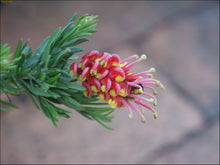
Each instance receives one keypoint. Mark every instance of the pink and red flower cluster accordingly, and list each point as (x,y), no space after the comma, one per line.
(107,76)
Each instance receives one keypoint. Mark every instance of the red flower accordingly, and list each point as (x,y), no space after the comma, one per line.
(107,76)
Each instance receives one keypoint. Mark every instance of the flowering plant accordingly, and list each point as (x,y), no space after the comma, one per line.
(50,80)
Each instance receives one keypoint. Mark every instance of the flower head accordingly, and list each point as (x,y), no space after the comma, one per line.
(107,76)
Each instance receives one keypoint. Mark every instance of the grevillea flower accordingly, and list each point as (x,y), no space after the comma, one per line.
(107,76)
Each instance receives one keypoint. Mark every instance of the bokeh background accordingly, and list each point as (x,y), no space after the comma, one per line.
(181,40)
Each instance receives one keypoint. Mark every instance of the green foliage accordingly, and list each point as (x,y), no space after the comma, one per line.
(44,75)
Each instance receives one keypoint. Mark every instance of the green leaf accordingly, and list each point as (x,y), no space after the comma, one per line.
(70,102)
(55,78)
(58,58)
(73,57)
(4,109)
(4,50)
(74,42)
(104,125)
(18,49)
(75,86)
(48,47)
(39,92)
(53,94)
(24,48)
(42,47)
(98,109)
(20,63)
(31,61)
(9,104)
(32,99)
(73,18)
(59,91)
(43,108)
(95,103)
(79,21)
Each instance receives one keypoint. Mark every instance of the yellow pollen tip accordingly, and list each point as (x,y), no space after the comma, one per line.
(122,93)
(121,65)
(136,57)
(101,63)
(78,77)
(71,73)
(143,57)
(94,89)
(151,100)
(155,92)
(115,64)
(162,87)
(130,116)
(101,96)
(80,65)
(112,93)
(113,106)
(157,83)
(98,75)
(152,70)
(119,79)
(98,59)
(142,111)
(103,88)
(143,120)
(113,102)
(155,116)
(92,59)
(85,93)
(110,101)
(105,65)
(140,90)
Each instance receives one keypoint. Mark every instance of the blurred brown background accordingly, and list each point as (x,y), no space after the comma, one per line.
(181,39)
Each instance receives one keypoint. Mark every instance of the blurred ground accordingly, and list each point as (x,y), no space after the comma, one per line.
(181,40)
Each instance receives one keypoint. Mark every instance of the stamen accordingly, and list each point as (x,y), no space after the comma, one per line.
(116,73)
(103,73)
(73,69)
(151,100)
(149,87)
(129,66)
(133,107)
(94,69)
(115,89)
(154,98)
(134,84)
(84,74)
(83,63)
(115,60)
(88,92)
(102,97)
(129,58)
(155,115)
(91,53)
(106,84)
(144,105)
(158,84)
(94,89)
(95,84)
(71,73)
(130,116)
(152,70)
